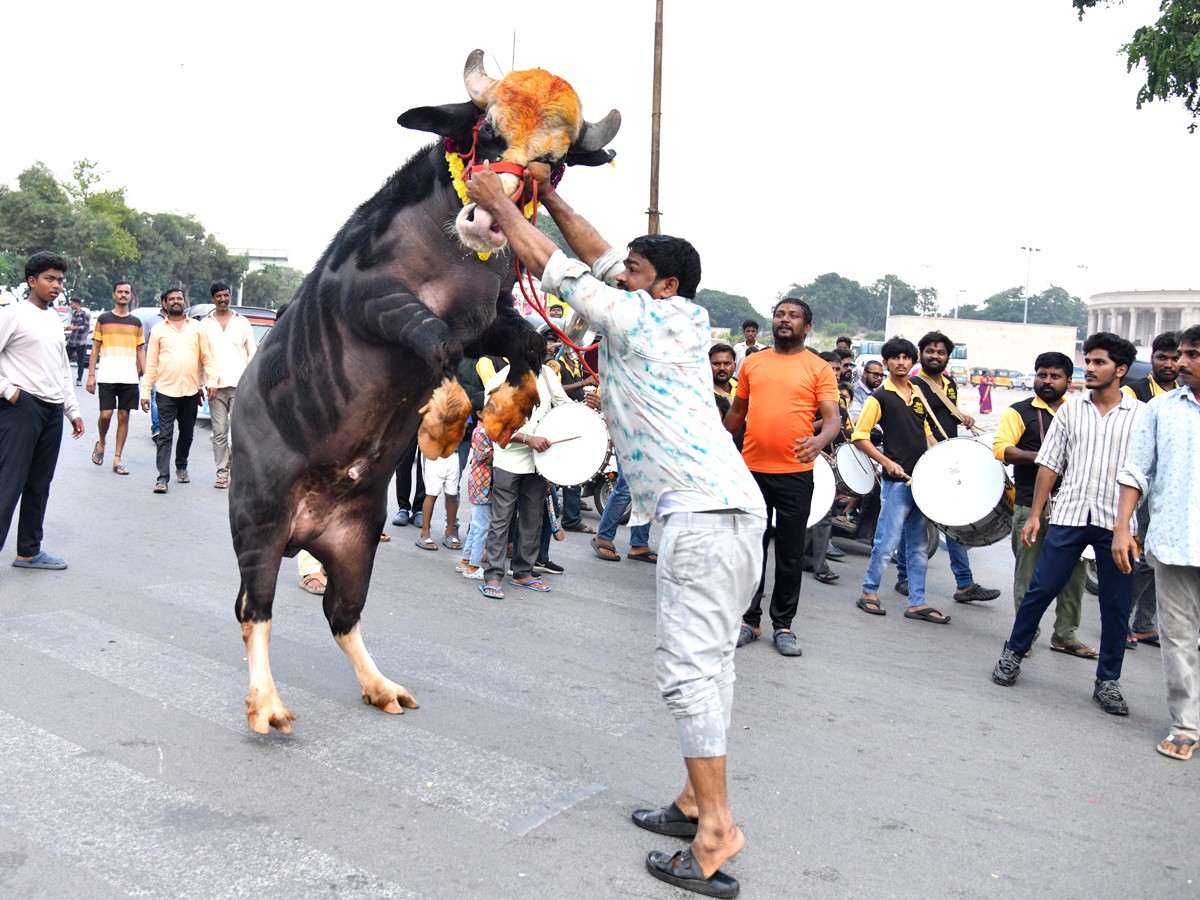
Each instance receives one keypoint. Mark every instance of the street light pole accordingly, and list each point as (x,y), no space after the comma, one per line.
(957,298)
(1028,270)
(654,212)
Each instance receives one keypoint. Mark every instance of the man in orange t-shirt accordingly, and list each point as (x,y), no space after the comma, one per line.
(780,392)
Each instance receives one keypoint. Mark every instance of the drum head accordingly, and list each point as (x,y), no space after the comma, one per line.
(579,445)
(987,438)
(856,469)
(958,482)
(824,490)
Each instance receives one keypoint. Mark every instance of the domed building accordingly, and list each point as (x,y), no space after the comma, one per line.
(1140,315)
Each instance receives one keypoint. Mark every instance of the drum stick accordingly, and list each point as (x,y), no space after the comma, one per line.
(555,529)
(573,437)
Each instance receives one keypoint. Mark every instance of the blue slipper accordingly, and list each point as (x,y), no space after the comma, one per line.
(536,585)
(491,592)
(42,561)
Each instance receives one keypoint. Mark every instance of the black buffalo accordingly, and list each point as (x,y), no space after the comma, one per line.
(367,355)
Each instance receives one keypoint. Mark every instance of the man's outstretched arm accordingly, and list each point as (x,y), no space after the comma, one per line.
(585,241)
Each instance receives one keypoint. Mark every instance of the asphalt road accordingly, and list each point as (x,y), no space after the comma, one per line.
(883,763)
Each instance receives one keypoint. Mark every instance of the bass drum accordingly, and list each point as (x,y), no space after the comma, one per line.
(855,472)
(824,490)
(579,445)
(965,492)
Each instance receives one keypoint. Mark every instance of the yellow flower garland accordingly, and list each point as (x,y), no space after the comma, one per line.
(454,161)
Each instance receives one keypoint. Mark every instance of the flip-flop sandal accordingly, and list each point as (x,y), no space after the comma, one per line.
(451,542)
(1076,648)
(535,585)
(313,584)
(491,592)
(929,614)
(1176,746)
(97,454)
(119,469)
(669,820)
(426,543)
(827,577)
(870,607)
(688,875)
(643,557)
(606,551)
(581,528)
(384,538)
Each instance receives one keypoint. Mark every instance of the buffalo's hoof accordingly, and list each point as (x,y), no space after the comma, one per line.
(508,408)
(264,711)
(444,420)
(388,696)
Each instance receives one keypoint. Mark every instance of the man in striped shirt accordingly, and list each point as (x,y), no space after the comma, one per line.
(118,361)
(1085,445)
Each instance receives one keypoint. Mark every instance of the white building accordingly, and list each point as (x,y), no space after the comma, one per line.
(1140,315)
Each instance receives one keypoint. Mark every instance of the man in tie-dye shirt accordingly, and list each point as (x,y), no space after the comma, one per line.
(682,469)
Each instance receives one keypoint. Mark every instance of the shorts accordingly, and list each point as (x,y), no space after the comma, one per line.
(441,475)
(118,396)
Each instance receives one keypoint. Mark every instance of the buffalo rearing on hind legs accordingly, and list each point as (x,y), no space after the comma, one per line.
(369,351)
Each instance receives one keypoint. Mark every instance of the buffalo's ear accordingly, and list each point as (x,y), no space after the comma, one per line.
(589,157)
(449,120)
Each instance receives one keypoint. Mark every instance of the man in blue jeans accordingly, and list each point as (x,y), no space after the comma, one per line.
(935,349)
(899,409)
(614,511)
(1085,445)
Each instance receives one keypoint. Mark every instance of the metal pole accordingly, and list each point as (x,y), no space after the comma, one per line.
(656,120)
(1028,270)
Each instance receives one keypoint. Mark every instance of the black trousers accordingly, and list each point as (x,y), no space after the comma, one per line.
(789,498)
(171,410)
(404,480)
(30,434)
(79,353)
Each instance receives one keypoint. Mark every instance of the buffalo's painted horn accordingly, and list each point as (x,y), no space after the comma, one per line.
(596,135)
(479,83)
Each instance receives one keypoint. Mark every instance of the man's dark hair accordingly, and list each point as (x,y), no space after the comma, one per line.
(1119,350)
(935,337)
(843,353)
(1052,359)
(1190,336)
(830,356)
(845,339)
(898,346)
(750,323)
(219,286)
(871,362)
(76,300)
(168,292)
(672,257)
(117,284)
(720,347)
(793,301)
(1167,342)
(44,261)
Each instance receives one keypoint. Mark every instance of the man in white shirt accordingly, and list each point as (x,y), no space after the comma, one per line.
(35,393)
(231,340)
(681,468)
(516,482)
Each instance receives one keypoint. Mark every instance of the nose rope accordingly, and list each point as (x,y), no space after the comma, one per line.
(524,276)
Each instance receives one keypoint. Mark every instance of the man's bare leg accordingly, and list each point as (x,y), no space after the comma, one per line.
(102,427)
(717,839)
(122,431)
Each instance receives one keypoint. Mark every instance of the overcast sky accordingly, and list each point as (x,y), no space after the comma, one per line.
(930,138)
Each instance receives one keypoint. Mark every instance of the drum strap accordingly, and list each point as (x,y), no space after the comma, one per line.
(929,412)
(950,404)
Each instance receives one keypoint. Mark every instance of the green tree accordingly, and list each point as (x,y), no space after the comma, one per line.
(1169,50)
(727,310)
(270,286)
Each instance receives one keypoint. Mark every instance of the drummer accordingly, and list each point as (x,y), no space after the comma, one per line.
(816,540)
(898,409)
(941,393)
(1022,429)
